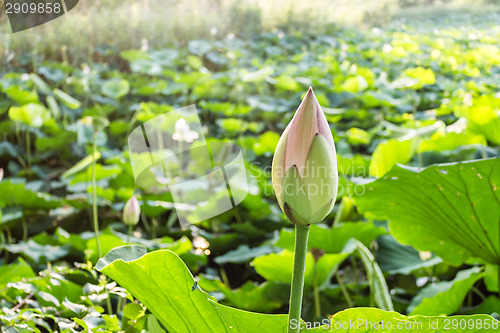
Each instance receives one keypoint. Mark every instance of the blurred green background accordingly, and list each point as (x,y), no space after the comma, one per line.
(413,83)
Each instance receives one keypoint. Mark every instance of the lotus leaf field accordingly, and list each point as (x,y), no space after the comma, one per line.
(413,239)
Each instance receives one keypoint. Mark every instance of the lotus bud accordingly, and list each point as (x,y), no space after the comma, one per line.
(304,170)
(1,174)
(131,211)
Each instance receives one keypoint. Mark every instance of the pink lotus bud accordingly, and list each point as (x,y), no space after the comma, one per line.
(131,211)
(305,177)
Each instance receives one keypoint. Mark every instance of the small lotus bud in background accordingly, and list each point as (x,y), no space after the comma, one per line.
(304,172)
(1,174)
(131,211)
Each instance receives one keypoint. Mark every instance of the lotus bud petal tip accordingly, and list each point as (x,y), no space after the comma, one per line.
(131,211)
(304,172)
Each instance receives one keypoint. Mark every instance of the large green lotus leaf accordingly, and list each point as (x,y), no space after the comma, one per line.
(20,96)
(162,282)
(390,152)
(445,297)
(355,84)
(491,130)
(244,253)
(483,116)
(364,320)
(333,240)
(56,145)
(14,193)
(423,76)
(232,125)
(15,272)
(279,267)
(248,322)
(286,82)
(30,114)
(394,257)
(448,141)
(450,209)
(490,305)
(107,243)
(491,278)
(115,88)
(353,165)
(9,216)
(124,253)
(266,143)
(37,252)
(101,172)
(251,296)
(55,289)
(257,76)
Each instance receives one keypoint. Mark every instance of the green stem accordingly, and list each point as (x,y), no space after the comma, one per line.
(478,293)
(154,227)
(146,223)
(25,228)
(119,305)
(355,271)
(108,305)
(9,241)
(130,228)
(4,242)
(28,146)
(94,197)
(339,214)
(224,277)
(344,290)
(299,267)
(94,211)
(317,305)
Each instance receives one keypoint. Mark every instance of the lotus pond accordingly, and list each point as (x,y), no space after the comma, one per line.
(413,239)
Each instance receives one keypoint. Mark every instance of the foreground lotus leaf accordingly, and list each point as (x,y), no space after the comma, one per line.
(162,282)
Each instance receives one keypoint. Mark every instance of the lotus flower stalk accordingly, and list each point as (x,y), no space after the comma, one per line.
(305,180)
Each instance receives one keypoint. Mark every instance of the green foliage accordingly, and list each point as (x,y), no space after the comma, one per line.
(378,286)
(394,257)
(390,153)
(449,209)
(163,283)
(417,94)
(115,88)
(413,324)
(31,114)
(333,240)
(279,267)
(444,297)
